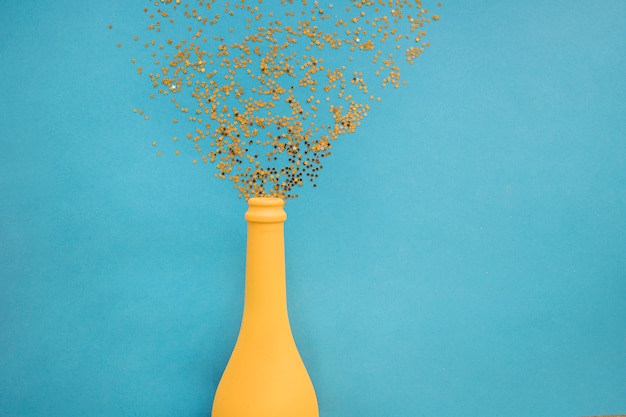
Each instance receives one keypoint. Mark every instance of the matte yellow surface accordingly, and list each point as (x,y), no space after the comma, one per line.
(265,376)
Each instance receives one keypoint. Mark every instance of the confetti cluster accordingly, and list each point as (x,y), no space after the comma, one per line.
(264,90)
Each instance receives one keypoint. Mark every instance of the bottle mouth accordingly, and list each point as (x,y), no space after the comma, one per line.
(266,210)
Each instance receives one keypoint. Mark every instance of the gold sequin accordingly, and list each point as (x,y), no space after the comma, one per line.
(271,136)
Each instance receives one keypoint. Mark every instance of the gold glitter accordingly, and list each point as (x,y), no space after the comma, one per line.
(261,85)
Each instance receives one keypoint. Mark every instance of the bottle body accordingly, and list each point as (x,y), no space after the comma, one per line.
(265,376)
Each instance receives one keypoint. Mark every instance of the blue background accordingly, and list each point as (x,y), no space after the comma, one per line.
(463,254)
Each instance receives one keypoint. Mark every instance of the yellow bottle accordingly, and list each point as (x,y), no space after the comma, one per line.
(265,376)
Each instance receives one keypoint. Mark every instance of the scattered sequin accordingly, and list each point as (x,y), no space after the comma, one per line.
(250,85)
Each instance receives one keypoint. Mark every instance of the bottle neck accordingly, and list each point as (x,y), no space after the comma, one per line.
(266,292)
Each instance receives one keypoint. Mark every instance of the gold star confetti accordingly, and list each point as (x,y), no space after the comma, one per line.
(267,92)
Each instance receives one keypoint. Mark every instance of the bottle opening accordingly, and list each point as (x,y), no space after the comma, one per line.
(266,210)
